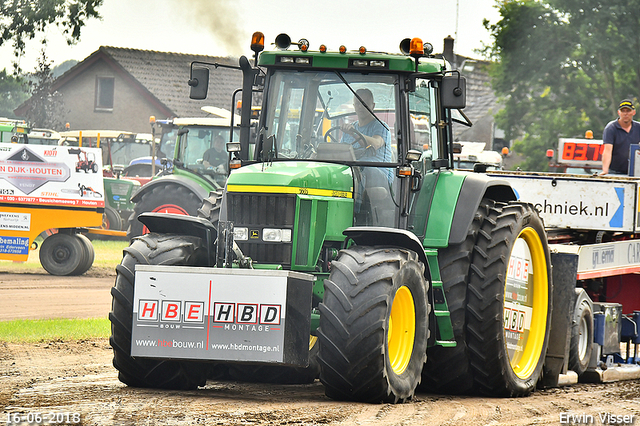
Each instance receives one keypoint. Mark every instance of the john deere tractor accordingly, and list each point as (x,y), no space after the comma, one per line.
(343,246)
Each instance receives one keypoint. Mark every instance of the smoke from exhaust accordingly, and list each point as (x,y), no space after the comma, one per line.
(219,18)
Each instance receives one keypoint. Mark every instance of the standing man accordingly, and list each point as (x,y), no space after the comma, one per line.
(618,135)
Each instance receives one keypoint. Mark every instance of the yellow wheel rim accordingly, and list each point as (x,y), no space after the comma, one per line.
(402,329)
(312,341)
(526,303)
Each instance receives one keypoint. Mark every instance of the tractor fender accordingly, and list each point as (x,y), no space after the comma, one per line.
(176,180)
(393,237)
(378,235)
(475,187)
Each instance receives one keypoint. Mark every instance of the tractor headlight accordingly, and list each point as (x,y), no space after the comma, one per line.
(241,234)
(276,235)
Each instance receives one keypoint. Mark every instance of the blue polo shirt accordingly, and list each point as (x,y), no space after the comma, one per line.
(382,154)
(621,140)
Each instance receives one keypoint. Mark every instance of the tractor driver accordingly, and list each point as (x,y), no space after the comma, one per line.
(216,157)
(375,135)
(377,139)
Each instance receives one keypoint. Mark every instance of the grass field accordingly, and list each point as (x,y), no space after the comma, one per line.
(34,331)
(108,255)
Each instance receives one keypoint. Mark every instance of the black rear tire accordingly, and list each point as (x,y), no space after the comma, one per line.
(447,369)
(373,325)
(164,198)
(509,301)
(150,249)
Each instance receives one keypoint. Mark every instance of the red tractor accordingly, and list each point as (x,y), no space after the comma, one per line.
(86,161)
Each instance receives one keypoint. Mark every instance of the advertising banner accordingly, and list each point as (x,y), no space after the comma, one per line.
(219,313)
(579,203)
(49,175)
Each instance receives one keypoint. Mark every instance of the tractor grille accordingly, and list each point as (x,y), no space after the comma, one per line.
(259,211)
(121,189)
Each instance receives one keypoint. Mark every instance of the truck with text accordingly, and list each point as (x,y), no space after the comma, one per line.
(378,271)
(42,189)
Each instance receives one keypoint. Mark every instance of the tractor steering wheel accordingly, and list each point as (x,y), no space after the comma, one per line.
(359,144)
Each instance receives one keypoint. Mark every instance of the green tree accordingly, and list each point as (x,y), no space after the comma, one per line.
(13,91)
(45,108)
(22,20)
(560,67)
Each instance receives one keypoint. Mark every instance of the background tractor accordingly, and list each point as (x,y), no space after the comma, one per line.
(185,181)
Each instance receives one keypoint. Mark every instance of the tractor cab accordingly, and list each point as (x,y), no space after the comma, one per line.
(201,147)
(383,116)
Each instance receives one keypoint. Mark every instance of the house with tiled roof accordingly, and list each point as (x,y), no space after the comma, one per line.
(119,89)
(482,103)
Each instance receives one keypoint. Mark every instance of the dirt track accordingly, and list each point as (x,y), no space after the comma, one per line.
(77,377)
(40,296)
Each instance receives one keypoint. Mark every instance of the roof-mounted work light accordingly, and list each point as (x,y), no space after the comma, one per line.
(405,45)
(283,41)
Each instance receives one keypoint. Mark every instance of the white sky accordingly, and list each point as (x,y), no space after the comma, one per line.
(224,27)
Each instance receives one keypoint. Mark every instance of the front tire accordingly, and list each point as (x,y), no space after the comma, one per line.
(509,301)
(150,249)
(373,325)
(210,208)
(111,219)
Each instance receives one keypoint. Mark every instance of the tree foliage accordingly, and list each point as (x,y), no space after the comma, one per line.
(13,91)
(22,20)
(561,67)
(45,108)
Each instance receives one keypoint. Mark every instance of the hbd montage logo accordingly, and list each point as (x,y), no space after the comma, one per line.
(225,315)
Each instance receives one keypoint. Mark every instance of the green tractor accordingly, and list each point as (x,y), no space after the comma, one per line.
(187,178)
(344,246)
(13,130)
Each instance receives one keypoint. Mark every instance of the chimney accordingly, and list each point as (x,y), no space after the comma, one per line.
(447,52)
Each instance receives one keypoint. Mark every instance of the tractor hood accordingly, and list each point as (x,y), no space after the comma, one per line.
(293,177)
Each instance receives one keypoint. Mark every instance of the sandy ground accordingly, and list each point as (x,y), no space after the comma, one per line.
(75,383)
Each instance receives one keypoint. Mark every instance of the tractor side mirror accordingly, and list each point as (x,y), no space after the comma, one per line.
(453,92)
(199,83)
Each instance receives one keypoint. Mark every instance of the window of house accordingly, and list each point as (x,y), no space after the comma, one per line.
(104,93)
